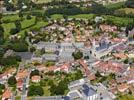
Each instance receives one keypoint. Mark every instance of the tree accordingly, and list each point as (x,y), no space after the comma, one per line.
(77,55)
(12,81)
(126,61)
(78,75)
(29,17)
(20,14)
(14,31)
(21,46)
(35,91)
(1,34)
(35,72)
(32,49)
(1,16)
(9,61)
(130,3)
(18,24)
(65,17)
(2,87)
(60,89)
(112,75)
(98,74)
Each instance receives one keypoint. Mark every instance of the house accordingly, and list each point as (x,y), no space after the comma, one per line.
(131,88)
(123,87)
(86,70)
(131,33)
(118,40)
(54,68)
(8,73)
(20,84)
(82,91)
(120,55)
(50,57)
(107,67)
(7,95)
(48,46)
(23,73)
(65,68)
(108,28)
(36,59)
(36,78)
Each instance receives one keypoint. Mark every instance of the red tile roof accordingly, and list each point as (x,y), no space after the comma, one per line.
(7,94)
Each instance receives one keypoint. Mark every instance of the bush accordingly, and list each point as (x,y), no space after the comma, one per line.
(12,81)
(35,72)
(20,47)
(77,55)
(2,87)
(14,31)
(8,61)
(35,91)
(29,17)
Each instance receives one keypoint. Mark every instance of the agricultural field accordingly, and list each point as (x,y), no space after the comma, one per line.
(127,10)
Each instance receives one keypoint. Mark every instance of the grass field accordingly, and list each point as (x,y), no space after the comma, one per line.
(127,10)
(126,97)
(116,5)
(116,20)
(10,18)
(29,24)
(26,25)
(81,16)
(42,1)
(119,20)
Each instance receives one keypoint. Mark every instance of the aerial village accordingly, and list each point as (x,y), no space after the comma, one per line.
(70,59)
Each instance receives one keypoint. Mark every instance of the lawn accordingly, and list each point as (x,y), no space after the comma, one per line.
(127,10)
(126,97)
(26,24)
(34,27)
(10,18)
(46,91)
(116,5)
(119,20)
(29,24)
(42,1)
(49,63)
(81,16)
(57,16)
(17,98)
(116,20)
(7,28)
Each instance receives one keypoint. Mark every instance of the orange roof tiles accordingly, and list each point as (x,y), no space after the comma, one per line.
(90,75)
(7,94)
(110,67)
(120,55)
(22,74)
(36,77)
(123,87)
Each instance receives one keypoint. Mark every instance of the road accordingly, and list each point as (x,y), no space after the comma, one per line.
(25,86)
